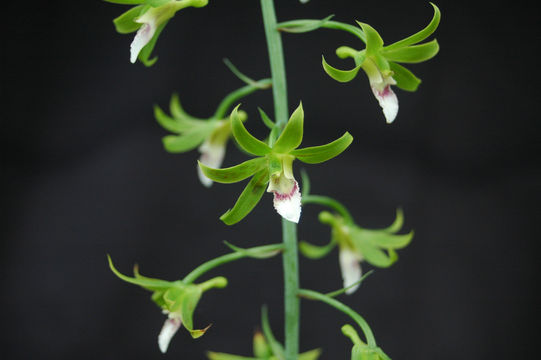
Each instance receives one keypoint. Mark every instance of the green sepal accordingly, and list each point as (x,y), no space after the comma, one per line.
(374,42)
(291,136)
(183,302)
(245,140)
(421,35)
(176,109)
(413,54)
(266,119)
(188,140)
(146,52)
(339,75)
(157,3)
(404,78)
(248,199)
(316,252)
(319,154)
(386,240)
(375,256)
(146,283)
(397,223)
(175,125)
(235,173)
(125,23)
(307,26)
(126,2)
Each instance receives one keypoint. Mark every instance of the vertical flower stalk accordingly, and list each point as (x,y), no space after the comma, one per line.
(289,229)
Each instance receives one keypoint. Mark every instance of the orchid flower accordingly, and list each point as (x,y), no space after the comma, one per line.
(356,244)
(273,166)
(360,350)
(380,63)
(176,299)
(148,18)
(210,136)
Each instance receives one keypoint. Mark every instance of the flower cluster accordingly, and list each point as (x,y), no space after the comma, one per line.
(381,63)
(177,300)
(272,166)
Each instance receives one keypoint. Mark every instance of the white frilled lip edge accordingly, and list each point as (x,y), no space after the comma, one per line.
(288,205)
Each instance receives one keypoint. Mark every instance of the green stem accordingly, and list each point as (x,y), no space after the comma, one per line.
(329,202)
(314,295)
(230,99)
(224,259)
(335,25)
(289,229)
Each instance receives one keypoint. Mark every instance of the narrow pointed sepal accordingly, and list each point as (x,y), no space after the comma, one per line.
(288,204)
(169,329)
(388,101)
(351,269)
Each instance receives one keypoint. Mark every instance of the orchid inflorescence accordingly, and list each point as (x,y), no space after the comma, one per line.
(271,170)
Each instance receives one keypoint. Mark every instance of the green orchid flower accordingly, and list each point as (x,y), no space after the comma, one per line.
(177,300)
(273,166)
(360,350)
(356,244)
(381,63)
(148,18)
(210,136)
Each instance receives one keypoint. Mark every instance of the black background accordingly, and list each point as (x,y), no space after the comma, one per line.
(85,175)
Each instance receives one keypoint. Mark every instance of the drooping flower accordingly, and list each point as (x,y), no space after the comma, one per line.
(210,136)
(176,299)
(148,18)
(356,244)
(380,63)
(361,350)
(273,166)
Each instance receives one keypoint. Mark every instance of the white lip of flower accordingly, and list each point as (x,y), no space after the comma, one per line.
(169,329)
(212,155)
(151,19)
(381,87)
(287,197)
(350,265)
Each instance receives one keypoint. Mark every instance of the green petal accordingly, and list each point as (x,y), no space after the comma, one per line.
(147,283)
(316,252)
(385,240)
(375,256)
(413,54)
(266,119)
(291,137)
(188,140)
(172,124)
(374,42)
(404,78)
(177,110)
(339,75)
(318,154)
(125,23)
(248,199)
(421,35)
(245,139)
(235,173)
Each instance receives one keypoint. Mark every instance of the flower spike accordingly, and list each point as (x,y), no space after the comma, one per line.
(273,166)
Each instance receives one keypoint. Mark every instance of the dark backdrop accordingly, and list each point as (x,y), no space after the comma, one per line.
(85,175)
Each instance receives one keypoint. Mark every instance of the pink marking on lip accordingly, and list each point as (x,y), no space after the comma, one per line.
(385,91)
(279,196)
